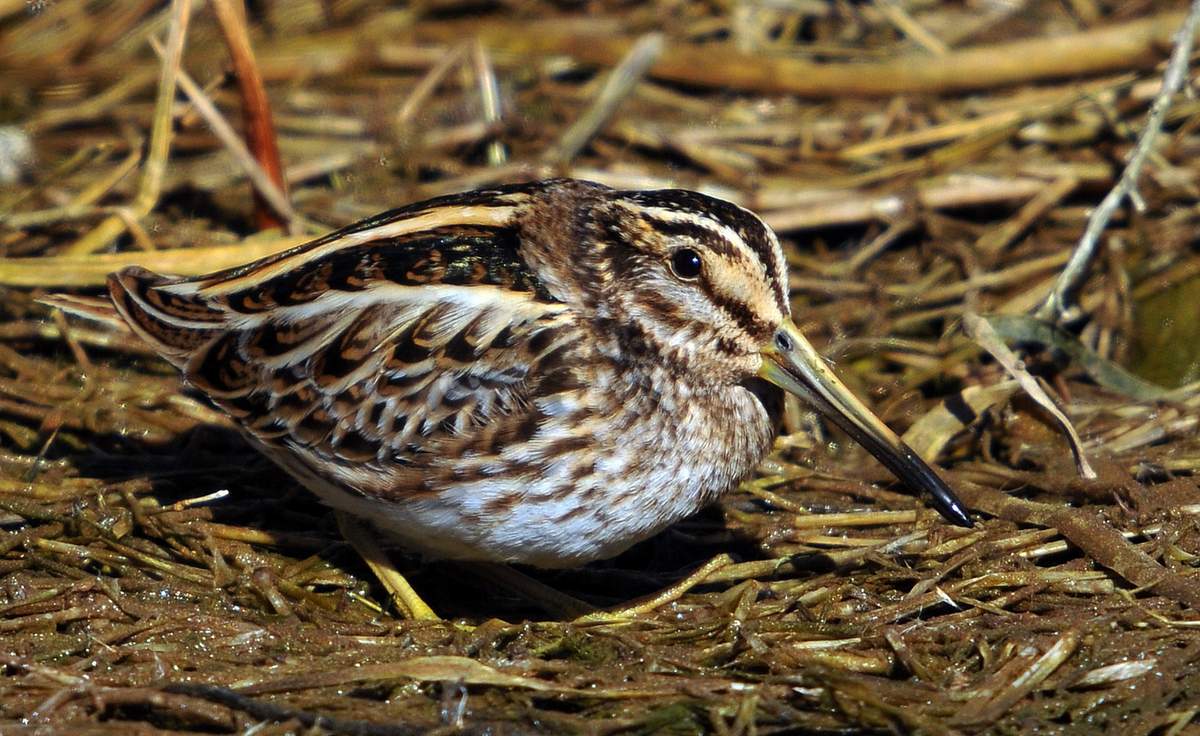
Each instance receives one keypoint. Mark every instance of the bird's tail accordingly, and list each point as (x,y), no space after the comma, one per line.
(94,308)
(173,324)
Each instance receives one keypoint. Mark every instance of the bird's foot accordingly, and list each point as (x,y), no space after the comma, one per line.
(366,544)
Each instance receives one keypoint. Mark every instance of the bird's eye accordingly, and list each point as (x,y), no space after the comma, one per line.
(685,264)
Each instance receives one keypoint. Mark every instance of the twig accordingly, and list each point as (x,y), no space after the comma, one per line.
(1117,47)
(864,255)
(256,110)
(39,218)
(160,139)
(96,107)
(1057,305)
(221,128)
(270,712)
(1088,531)
(489,94)
(46,271)
(424,88)
(831,208)
(939,133)
(996,240)
(984,710)
(982,333)
(94,191)
(68,336)
(661,598)
(141,238)
(909,26)
(617,87)
(853,518)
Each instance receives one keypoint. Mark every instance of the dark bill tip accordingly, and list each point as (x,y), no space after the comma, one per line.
(917,473)
(791,363)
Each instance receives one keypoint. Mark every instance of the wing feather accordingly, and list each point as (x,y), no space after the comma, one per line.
(367,355)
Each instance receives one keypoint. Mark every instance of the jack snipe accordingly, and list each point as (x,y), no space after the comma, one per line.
(543,373)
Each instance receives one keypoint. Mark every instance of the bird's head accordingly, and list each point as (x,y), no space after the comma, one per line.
(698,286)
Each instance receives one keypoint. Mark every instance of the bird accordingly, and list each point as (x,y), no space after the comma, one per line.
(542,373)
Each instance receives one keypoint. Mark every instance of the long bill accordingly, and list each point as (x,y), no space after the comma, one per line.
(791,363)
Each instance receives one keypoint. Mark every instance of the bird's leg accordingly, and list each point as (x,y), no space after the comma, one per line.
(662,597)
(366,544)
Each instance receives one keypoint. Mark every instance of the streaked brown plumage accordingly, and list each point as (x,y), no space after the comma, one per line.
(542,373)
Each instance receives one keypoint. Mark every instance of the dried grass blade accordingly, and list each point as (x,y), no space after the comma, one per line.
(620,83)
(988,711)
(93,270)
(261,179)
(930,434)
(1024,328)
(981,332)
(155,165)
(1117,47)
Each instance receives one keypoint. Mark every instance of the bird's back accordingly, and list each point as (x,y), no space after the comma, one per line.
(369,354)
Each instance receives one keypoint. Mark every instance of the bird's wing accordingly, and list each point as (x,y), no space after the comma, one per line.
(369,352)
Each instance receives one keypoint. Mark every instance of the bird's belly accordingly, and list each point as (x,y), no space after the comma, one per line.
(538,520)
(569,509)
(549,520)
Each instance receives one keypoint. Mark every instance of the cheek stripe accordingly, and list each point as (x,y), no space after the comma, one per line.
(740,313)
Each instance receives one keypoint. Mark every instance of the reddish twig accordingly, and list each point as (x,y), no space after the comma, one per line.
(256,108)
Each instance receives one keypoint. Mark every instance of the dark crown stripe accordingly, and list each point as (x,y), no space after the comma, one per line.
(625,260)
(695,230)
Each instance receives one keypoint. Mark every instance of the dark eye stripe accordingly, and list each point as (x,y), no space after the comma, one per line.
(716,241)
